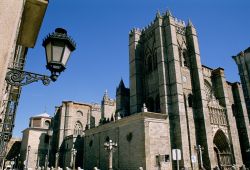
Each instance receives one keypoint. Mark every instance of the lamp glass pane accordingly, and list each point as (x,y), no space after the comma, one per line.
(48,52)
(66,55)
(57,53)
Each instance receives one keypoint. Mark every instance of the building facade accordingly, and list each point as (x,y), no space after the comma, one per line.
(243,62)
(202,108)
(69,124)
(140,138)
(166,73)
(21,21)
(35,145)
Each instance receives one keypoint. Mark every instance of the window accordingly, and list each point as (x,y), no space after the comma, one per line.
(47,124)
(185,56)
(78,128)
(79,113)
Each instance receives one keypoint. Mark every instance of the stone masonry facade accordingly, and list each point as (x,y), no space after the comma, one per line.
(166,73)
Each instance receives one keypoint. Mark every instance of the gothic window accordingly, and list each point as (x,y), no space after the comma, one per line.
(185,57)
(208,90)
(150,56)
(180,56)
(216,111)
(78,129)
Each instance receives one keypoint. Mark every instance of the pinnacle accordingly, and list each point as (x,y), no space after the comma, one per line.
(121,84)
(106,93)
(190,24)
(158,14)
(168,13)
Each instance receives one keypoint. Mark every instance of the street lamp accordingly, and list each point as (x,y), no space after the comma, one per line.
(49,133)
(74,151)
(57,158)
(199,150)
(27,158)
(58,47)
(110,147)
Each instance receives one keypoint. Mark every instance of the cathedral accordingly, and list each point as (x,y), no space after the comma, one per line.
(173,103)
(203,115)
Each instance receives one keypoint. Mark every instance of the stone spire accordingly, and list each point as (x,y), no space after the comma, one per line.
(105,96)
(121,84)
(158,14)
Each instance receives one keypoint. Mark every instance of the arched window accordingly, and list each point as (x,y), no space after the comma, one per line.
(78,129)
(79,113)
(185,57)
(47,124)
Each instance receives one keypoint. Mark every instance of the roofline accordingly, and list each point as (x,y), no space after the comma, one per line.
(79,103)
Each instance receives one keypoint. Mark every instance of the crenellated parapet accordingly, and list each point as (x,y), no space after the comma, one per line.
(95,107)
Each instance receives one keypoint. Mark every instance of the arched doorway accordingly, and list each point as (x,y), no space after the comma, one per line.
(222,151)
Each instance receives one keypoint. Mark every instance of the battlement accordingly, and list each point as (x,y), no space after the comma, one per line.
(135,31)
(180,24)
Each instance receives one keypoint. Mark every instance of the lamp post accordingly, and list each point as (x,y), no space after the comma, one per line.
(74,151)
(110,147)
(199,150)
(27,158)
(18,161)
(58,47)
(49,133)
(57,158)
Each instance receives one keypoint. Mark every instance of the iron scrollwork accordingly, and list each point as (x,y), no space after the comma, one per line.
(17,77)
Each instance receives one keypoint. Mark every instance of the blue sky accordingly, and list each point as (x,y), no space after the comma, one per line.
(100,29)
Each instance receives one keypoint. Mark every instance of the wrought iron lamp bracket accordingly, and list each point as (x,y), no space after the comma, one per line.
(18,77)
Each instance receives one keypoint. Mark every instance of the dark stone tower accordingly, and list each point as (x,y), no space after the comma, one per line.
(122,100)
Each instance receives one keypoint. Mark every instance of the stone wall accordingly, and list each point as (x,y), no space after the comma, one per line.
(140,138)
(35,138)
(8,34)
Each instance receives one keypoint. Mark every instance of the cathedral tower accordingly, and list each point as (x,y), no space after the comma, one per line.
(243,62)
(167,75)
